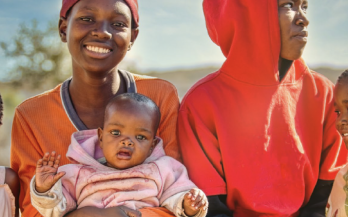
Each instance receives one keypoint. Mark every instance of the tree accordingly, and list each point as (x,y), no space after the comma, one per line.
(40,59)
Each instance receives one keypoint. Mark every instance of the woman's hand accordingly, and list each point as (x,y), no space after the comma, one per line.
(119,211)
(46,172)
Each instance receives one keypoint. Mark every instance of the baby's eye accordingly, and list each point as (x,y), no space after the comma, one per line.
(115,132)
(140,137)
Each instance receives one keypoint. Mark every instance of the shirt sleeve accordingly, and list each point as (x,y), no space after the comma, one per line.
(201,153)
(169,107)
(23,141)
(52,203)
(319,198)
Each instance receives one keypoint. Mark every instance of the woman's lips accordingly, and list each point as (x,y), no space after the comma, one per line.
(97,52)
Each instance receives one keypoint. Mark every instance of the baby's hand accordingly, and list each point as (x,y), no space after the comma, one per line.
(194,201)
(46,172)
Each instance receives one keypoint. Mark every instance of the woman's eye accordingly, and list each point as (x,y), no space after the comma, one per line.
(140,137)
(115,132)
(87,19)
(305,8)
(288,5)
(119,24)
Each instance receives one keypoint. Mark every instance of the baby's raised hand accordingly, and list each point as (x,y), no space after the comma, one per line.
(46,172)
(194,200)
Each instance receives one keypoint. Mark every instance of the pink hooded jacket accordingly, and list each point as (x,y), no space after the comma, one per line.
(90,183)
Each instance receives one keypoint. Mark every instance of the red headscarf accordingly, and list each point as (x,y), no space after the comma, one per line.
(132,4)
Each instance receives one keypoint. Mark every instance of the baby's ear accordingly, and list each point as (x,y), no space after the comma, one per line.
(153,145)
(62,26)
(100,137)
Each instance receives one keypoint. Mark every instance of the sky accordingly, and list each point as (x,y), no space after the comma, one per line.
(173,34)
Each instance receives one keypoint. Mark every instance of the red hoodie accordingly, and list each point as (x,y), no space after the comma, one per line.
(242,133)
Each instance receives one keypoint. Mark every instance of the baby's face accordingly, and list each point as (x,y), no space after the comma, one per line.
(128,135)
(341,108)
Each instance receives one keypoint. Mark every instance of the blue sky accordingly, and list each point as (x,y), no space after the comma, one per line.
(173,33)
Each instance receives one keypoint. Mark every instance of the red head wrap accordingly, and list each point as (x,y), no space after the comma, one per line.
(132,4)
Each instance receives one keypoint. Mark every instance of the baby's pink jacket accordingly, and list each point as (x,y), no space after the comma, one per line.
(159,181)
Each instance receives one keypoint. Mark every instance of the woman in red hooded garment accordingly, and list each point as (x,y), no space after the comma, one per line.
(258,136)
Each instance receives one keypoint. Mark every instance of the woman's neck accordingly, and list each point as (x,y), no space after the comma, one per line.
(90,93)
(283,67)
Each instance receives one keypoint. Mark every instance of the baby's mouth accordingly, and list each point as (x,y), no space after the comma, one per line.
(124,154)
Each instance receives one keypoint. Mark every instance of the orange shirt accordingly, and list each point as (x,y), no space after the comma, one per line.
(42,124)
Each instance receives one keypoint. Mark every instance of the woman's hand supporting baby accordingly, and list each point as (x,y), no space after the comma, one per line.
(194,201)
(46,172)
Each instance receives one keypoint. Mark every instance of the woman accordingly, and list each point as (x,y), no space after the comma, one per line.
(98,35)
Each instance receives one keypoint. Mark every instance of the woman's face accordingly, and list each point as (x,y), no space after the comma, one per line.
(293,24)
(98,34)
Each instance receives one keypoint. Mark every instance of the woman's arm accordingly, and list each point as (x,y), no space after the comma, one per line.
(317,203)
(12,180)
(218,207)
(119,211)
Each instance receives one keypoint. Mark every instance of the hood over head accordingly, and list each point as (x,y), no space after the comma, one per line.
(248,34)
(132,4)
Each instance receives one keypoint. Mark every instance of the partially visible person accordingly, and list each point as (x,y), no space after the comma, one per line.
(338,201)
(123,164)
(262,128)
(98,35)
(9,186)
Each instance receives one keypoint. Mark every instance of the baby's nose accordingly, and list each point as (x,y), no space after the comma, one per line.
(127,142)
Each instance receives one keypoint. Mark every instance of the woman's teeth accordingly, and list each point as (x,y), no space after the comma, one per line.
(97,49)
(345,134)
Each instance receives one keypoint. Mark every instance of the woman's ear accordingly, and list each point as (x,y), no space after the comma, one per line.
(100,137)
(134,36)
(62,26)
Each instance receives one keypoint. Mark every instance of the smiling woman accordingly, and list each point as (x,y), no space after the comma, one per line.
(98,35)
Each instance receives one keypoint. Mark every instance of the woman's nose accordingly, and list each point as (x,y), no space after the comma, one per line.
(102,31)
(302,19)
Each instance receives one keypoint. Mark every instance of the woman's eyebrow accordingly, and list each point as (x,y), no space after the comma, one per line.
(87,8)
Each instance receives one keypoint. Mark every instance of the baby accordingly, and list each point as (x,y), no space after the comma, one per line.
(123,164)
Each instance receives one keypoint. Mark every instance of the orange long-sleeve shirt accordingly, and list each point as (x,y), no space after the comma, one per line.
(43,124)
